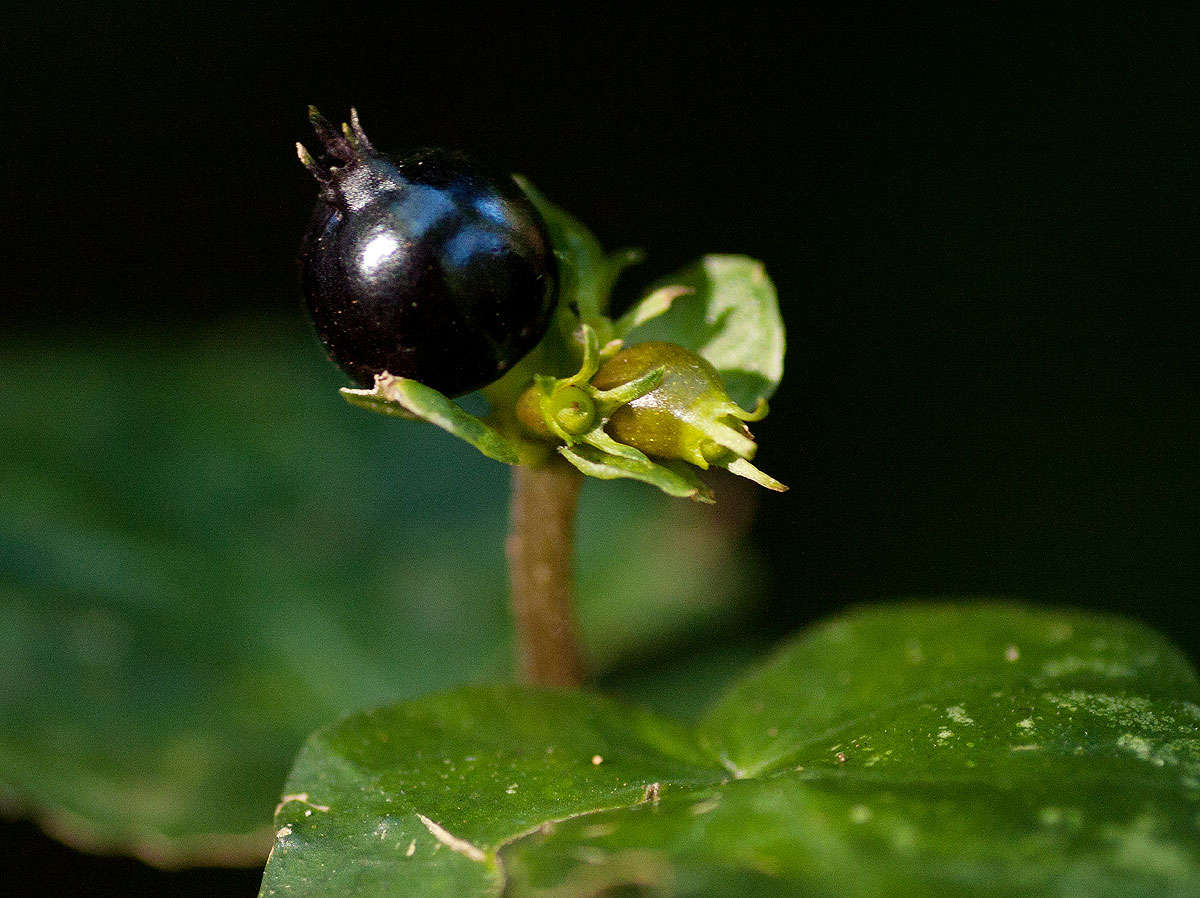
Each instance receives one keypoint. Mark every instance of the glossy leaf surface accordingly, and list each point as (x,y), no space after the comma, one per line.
(903,750)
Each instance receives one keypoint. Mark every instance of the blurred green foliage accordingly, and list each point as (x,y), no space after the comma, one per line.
(205,554)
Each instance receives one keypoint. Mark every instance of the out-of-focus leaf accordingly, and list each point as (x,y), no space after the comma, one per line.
(205,553)
(729,314)
(905,750)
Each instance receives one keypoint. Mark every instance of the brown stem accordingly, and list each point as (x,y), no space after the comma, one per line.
(540,547)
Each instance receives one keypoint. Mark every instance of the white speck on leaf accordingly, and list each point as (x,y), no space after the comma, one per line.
(1133,711)
(1141,748)
(959,715)
(1135,744)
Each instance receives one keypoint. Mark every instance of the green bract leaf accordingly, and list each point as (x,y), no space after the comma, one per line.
(587,271)
(429,405)
(724,308)
(205,554)
(676,480)
(906,750)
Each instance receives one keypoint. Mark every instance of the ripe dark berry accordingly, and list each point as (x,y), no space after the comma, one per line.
(426,266)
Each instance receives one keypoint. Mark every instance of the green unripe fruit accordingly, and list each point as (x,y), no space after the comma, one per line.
(574,410)
(529,413)
(570,408)
(687,416)
(652,401)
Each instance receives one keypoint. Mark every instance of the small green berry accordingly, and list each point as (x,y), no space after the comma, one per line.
(688,416)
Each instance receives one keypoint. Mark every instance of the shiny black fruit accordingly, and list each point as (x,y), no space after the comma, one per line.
(425,265)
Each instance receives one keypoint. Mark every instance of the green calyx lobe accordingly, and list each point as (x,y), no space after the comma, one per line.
(654,400)
(688,416)
(572,409)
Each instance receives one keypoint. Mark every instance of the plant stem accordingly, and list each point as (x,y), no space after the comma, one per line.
(540,547)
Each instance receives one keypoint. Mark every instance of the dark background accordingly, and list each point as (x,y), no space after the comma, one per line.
(982,225)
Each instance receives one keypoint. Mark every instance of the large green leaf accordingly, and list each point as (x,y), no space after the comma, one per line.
(205,553)
(724,308)
(916,749)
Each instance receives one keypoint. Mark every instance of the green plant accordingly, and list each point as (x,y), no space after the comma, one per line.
(938,749)
(572,391)
(188,589)
(954,748)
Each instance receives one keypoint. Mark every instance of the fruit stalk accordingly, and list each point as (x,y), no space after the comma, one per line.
(540,551)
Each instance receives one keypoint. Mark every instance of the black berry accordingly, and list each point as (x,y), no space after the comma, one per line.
(425,265)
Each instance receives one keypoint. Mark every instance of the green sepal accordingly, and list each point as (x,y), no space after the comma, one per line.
(674,481)
(743,468)
(590,364)
(598,439)
(608,401)
(685,471)
(602,402)
(708,422)
(649,308)
(403,397)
